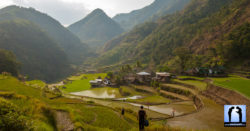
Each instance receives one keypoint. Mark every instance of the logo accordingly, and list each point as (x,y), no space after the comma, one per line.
(235,115)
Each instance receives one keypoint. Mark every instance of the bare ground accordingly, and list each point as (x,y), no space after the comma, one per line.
(63,121)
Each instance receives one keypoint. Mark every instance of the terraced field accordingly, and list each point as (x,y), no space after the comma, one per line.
(35,106)
(209,118)
(81,82)
(92,113)
(239,84)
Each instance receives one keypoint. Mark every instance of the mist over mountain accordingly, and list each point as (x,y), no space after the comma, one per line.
(96,28)
(152,12)
(71,44)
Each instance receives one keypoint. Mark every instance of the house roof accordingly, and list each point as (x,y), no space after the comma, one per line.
(93,82)
(98,80)
(143,74)
(163,74)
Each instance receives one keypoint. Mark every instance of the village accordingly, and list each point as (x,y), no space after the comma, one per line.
(140,78)
(147,78)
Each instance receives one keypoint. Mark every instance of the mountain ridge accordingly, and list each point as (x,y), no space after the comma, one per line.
(40,56)
(149,13)
(96,28)
(71,44)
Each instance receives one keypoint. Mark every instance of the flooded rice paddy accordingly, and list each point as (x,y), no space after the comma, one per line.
(101,93)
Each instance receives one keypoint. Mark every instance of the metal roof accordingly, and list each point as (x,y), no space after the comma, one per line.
(143,74)
(163,73)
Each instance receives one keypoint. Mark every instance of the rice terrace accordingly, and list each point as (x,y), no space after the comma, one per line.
(151,65)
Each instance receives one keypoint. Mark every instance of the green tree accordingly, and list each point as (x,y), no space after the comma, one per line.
(110,75)
(8,62)
(138,64)
(164,68)
(184,55)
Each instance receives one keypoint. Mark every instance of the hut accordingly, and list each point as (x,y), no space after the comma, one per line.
(106,82)
(130,79)
(163,76)
(192,72)
(96,83)
(144,77)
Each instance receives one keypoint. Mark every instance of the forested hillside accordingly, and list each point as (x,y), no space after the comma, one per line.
(152,12)
(96,28)
(71,44)
(40,56)
(200,27)
(8,62)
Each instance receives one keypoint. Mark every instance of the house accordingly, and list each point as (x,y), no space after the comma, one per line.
(205,71)
(144,77)
(130,79)
(192,72)
(107,82)
(163,76)
(96,83)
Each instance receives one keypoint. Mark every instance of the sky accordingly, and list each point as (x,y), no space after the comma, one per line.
(70,11)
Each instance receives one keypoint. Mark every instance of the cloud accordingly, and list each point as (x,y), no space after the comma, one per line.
(65,12)
(113,7)
(70,11)
(5,3)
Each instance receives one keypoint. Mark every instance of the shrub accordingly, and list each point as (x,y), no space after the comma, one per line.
(11,118)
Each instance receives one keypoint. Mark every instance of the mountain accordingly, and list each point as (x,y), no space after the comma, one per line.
(39,55)
(71,44)
(152,12)
(208,28)
(96,28)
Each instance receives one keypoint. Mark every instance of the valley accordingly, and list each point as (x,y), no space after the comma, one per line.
(208,112)
(186,63)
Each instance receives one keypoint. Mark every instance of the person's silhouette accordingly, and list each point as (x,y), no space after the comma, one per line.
(240,113)
(230,113)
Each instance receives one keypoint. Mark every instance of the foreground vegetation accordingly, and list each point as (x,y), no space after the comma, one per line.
(34,109)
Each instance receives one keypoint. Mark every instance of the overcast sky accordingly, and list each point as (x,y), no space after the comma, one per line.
(70,11)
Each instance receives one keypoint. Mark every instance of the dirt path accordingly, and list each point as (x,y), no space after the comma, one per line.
(63,121)
(211,117)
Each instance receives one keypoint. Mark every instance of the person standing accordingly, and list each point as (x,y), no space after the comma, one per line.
(173,112)
(141,117)
(123,111)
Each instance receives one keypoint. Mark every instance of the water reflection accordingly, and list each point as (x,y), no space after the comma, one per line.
(105,93)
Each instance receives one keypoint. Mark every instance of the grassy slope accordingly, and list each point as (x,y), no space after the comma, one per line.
(240,84)
(79,83)
(198,84)
(233,82)
(36,83)
(37,108)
